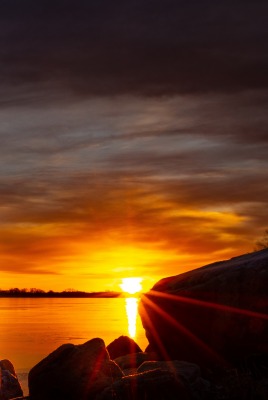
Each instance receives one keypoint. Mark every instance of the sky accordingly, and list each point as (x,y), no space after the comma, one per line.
(133,138)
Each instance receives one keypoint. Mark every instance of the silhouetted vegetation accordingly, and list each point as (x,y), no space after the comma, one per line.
(70,293)
(263,242)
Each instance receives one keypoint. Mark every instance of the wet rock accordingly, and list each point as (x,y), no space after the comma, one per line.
(9,384)
(212,316)
(73,372)
(122,346)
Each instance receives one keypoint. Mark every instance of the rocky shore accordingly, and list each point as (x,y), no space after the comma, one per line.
(207,331)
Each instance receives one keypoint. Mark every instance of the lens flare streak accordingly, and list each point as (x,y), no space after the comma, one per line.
(209,304)
(180,327)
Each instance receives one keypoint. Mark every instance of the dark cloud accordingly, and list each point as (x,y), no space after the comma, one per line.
(155,47)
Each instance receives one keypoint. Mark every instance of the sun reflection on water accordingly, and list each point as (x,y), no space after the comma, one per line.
(132,312)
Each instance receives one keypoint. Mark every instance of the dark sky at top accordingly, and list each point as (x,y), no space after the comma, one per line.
(148,47)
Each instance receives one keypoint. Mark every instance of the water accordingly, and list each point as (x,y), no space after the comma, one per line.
(31,328)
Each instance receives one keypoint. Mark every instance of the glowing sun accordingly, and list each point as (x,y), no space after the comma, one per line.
(131,285)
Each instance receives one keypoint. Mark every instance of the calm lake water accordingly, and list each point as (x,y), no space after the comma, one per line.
(30,329)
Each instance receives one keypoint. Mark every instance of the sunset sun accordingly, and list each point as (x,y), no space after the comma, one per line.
(131,285)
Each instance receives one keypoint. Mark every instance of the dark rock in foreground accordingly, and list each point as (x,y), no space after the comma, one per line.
(9,384)
(73,372)
(213,316)
(155,380)
(122,346)
(155,384)
(86,372)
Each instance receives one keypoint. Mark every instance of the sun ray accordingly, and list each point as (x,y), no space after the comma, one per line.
(209,304)
(155,335)
(181,328)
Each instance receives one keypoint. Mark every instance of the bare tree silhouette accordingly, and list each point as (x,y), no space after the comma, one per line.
(263,242)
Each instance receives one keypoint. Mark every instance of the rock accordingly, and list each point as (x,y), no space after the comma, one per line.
(150,385)
(122,346)
(182,369)
(7,365)
(213,316)
(73,372)
(134,360)
(161,381)
(9,384)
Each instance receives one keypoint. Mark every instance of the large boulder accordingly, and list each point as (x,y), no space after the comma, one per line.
(214,315)
(122,346)
(9,384)
(73,372)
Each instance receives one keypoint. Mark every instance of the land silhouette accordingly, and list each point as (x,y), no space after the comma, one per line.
(70,293)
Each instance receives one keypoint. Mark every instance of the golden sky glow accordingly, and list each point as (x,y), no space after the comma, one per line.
(145,156)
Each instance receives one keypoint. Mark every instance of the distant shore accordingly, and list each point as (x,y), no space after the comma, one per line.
(36,293)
